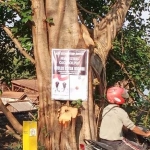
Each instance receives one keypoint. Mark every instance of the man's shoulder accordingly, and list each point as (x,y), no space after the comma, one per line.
(115,107)
(121,112)
(120,109)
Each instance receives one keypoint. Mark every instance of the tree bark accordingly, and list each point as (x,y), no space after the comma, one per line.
(42,59)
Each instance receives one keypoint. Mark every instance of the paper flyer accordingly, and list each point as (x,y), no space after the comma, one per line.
(70,74)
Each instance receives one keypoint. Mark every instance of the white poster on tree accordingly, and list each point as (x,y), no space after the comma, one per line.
(70,74)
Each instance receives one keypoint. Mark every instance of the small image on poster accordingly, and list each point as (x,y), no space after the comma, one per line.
(78,87)
(69,74)
(60,86)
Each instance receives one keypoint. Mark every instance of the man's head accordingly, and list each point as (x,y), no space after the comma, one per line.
(117,95)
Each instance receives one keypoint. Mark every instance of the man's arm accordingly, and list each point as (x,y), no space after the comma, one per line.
(137,130)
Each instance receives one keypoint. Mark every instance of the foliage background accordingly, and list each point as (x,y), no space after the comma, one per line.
(130,48)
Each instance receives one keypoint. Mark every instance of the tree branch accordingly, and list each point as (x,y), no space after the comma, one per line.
(16,8)
(10,131)
(2,2)
(130,77)
(17,43)
(105,31)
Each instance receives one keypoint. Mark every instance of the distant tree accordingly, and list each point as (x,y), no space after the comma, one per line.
(12,64)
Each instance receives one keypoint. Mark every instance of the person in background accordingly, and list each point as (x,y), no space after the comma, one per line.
(114,119)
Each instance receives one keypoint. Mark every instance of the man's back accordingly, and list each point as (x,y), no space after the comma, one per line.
(113,121)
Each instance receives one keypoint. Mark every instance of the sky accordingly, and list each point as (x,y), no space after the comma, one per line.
(145,15)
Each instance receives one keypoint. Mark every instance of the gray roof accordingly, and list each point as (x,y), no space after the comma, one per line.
(22,105)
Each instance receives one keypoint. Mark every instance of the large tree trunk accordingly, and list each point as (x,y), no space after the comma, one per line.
(64,31)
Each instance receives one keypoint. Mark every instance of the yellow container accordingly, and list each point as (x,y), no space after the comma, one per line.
(29,135)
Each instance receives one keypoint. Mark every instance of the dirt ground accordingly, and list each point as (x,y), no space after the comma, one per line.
(7,143)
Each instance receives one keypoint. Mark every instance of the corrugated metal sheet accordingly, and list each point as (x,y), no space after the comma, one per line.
(7,100)
(11,109)
(31,84)
(23,106)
